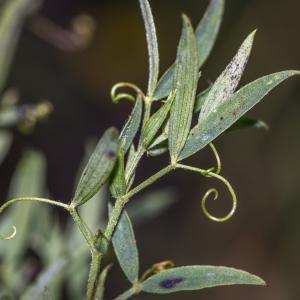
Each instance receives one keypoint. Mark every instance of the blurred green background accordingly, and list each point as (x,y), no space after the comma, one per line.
(263,237)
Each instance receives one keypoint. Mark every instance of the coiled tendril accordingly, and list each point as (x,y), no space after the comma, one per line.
(215,174)
(117,97)
(11,236)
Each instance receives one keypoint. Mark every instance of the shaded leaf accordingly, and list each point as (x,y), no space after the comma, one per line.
(5,142)
(156,121)
(197,278)
(132,125)
(152,45)
(37,290)
(206,34)
(99,167)
(102,280)
(125,247)
(230,111)
(185,84)
(118,184)
(245,122)
(228,81)
(151,205)
(13,14)
(200,99)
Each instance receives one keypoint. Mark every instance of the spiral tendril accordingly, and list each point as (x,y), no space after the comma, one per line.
(218,160)
(213,191)
(11,236)
(117,97)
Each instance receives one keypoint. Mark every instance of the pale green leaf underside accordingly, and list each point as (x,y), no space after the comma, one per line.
(185,84)
(131,127)
(152,45)
(197,278)
(125,247)
(99,167)
(230,111)
(228,81)
(206,34)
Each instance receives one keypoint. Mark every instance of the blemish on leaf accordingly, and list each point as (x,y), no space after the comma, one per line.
(111,153)
(170,283)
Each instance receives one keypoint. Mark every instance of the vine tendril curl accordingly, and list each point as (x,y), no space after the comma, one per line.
(11,236)
(213,191)
(218,160)
(117,97)
(27,199)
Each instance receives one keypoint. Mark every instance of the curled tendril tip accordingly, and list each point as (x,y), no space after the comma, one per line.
(11,236)
(117,97)
(215,173)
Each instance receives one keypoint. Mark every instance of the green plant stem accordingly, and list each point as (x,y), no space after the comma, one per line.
(120,202)
(134,290)
(32,199)
(86,232)
(94,275)
(96,255)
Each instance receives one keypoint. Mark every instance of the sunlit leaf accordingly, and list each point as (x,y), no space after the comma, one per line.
(197,278)
(231,110)
(132,125)
(208,29)
(99,167)
(228,81)
(152,45)
(206,34)
(185,84)
(125,247)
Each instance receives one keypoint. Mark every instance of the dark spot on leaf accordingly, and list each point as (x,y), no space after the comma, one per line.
(221,118)
(111,153)
(170,283)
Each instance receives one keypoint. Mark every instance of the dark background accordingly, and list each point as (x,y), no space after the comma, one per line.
(263,237)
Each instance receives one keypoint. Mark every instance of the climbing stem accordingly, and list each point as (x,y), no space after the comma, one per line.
(134,290)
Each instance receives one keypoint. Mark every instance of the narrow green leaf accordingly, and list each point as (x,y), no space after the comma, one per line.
(156,121)
(152,46)
(125,247)
(230,111)
(197,278)
(132,125)
(206,34)
(130,161)
(200,99)
(102,280)
(246,122)
(208,29)
(228,81)
(99,167)
(185,84)
(37,290)
(118,184)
